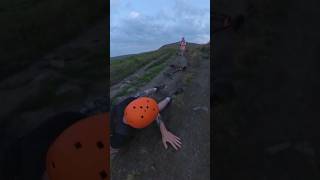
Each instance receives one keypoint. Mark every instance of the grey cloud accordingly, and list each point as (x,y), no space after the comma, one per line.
(147,33)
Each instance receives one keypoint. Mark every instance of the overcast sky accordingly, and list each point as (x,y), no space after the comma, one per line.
(143,25)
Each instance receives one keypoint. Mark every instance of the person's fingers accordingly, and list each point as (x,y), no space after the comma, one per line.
(177,144)
(175,141)
(177,138)
(172,135)
(178,141)
(165,144)
(173,145)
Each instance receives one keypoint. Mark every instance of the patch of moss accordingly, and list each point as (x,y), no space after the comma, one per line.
(188,78)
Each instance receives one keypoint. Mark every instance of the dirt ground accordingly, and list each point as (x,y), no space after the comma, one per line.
(188,116)
(270,129)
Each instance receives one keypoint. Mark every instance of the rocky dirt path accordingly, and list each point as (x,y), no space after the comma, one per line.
(129,81)
(172,82)
(188,117)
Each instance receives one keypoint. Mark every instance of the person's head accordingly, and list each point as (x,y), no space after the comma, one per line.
(81,152)
(141,112)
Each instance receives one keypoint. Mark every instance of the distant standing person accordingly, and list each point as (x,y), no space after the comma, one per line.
(183,45)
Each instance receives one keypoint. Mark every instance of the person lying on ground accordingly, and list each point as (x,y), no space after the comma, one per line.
(30,156)
(37,155)
(135,113)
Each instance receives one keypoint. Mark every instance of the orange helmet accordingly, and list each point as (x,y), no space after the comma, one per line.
(82,151)
(141,112)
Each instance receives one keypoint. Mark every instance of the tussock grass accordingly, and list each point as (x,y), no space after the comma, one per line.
(120,69)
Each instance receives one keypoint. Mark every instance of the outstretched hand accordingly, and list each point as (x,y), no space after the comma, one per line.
(168,137)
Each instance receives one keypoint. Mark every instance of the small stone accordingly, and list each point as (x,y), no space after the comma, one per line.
(153,168)
(204,108)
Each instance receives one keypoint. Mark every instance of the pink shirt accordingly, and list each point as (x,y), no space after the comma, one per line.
(183,45)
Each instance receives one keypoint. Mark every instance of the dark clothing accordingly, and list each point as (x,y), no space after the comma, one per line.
(120,132)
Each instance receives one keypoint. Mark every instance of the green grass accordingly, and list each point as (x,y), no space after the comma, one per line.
(120,69)
(179,101)
(144,79)
(32,28)
(148,76)
(188,78)
(162,59)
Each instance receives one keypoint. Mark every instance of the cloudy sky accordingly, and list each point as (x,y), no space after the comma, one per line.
(143,25)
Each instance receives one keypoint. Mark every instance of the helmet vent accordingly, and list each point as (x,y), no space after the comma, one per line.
(134,107)
(142,117)
(53,164)
(78,145)
(147,107)
(141,107)
(103,174)
(100,145)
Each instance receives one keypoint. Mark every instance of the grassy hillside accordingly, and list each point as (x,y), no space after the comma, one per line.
(127,65)
(122,68)
(33,27)
(120,57)
(145,67)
